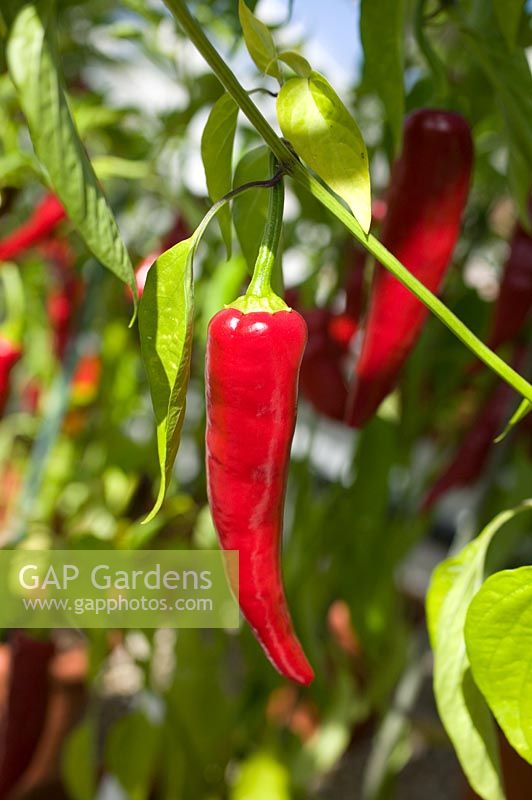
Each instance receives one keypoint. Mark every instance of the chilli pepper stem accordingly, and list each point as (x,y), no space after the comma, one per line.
(260,285)
(290,165)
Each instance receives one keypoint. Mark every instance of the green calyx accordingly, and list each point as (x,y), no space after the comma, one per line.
(270,303)
(260,295)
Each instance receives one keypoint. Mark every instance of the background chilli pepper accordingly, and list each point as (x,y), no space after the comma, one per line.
(24,714)
(44,219)
(66,293)
(515,296)
(322,379)
(254,352)
(428,192)
(471,457)
(10,353)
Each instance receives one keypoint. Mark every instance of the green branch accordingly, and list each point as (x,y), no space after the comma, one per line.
(299,173)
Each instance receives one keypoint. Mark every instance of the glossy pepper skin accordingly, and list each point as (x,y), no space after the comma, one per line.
(252,367)
(515,297)
(426,199)
(10,353)
(44,219)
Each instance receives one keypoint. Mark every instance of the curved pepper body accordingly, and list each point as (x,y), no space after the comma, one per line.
(252,367)
(472,455)
(428,193)
(44,218)
(10,353)
(515,297)
(321,379)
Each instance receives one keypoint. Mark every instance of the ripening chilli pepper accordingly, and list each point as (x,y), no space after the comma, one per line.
(66,293)
(472,455)
(43,220)
(515,296)
(254,352)
(10,353)
(322,379)
(425,202)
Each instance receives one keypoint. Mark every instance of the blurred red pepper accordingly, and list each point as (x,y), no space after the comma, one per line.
(322,378)
(472,455)
(10,353)
(86,380)
(43,220)
(515,297)
(427,195)
(66,293)
(24,714)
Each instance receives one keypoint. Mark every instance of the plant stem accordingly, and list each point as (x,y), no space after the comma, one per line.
(290,165)
(260,284)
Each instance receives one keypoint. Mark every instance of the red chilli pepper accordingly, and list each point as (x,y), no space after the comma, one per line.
(10,353)
(472,455)
(44,219)
(427,196)
(254,351)
(65,296)
(515,297)
(25,709)
(322,380)
(86,379)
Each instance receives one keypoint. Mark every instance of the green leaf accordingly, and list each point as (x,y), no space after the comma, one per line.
(262,777)
(259,41)
(217,154)
(519,181)
(131,751)
(508,14)
(33,65)
(114,167)
(17,168)
(79,763)
(509,74)
(326,136)
(381,32)
(461,706)
(250,210)
(296,62)
(524,408)
(498,635)
(166,314)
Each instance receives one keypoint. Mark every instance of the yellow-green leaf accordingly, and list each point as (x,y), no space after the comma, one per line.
(325,135)
(296,62)
(34,68)
(217,154)
(259,41)
(498,635)
(381,32)
(166,313)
